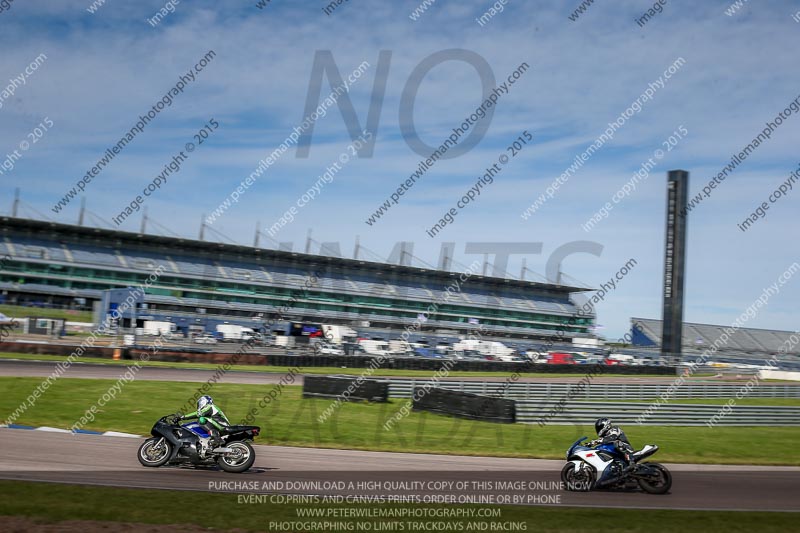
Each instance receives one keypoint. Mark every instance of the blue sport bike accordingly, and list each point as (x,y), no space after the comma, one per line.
(174,443)
(599,466)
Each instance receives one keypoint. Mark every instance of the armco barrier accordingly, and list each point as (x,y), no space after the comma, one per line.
(46,348)
(420,363)
(345,387)
(402,388)
(464,405)
(777,374)
(627,413)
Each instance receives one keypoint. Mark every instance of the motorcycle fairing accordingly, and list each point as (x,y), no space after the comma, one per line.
(197,429)
(647,451)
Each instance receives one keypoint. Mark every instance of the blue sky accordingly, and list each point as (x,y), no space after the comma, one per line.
(105,69)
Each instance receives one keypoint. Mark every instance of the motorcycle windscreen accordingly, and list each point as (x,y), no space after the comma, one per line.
(195,428)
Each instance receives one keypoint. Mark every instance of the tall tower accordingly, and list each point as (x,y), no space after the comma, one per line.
(674,265)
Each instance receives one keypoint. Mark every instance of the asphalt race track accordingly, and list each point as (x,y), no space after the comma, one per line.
(23,368)
(42,369)
(104,460)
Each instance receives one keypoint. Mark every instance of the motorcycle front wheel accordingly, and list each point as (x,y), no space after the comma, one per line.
(659,482)
(240,460)
(580,481)
(154,452)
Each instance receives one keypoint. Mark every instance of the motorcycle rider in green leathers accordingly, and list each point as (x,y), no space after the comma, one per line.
(212,419)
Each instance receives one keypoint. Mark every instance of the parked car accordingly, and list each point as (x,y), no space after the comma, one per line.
(329,349)
(560,358)
(205,339)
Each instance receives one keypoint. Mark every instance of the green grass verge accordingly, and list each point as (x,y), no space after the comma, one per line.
(314,370)
(52,503)
(18,311)
(294,421)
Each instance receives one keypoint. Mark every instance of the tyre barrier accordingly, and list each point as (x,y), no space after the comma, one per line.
(464,405)
(346,388)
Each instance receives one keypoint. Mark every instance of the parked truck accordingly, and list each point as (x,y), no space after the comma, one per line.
(284,341)
(235,332)
(156,328)
(338,334)
(487,348)
(375,347)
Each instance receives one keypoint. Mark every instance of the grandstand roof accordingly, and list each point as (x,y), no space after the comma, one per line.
(701,336)
(116,239)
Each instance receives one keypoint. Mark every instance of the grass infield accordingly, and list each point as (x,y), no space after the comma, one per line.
(294,421)
(54,503)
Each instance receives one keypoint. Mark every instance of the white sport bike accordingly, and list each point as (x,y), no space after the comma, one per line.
(595,467)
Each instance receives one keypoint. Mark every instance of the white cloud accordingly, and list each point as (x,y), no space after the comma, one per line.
(103,70)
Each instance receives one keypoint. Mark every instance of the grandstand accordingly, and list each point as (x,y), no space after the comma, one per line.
(74,266)
(698,337)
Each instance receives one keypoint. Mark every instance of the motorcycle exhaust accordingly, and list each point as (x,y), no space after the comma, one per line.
(223,450)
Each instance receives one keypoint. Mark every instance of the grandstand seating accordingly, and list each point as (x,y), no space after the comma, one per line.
(34,249)
(277,275)
(39,288)
(94,256)
(327,315)
(114,265)
(698,337)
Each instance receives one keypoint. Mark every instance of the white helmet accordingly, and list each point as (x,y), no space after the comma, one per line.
(202,401)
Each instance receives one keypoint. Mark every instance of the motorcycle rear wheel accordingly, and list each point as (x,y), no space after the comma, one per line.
(151,457)
(581,482)
(661,485)
(241,460)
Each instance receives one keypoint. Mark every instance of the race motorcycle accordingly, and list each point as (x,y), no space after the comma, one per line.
(176,444)
(590,468)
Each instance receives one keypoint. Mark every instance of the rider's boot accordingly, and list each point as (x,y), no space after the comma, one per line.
(214,441)
(203,447)
(631,464)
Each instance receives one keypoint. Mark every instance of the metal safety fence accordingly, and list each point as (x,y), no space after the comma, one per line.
(401,388)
